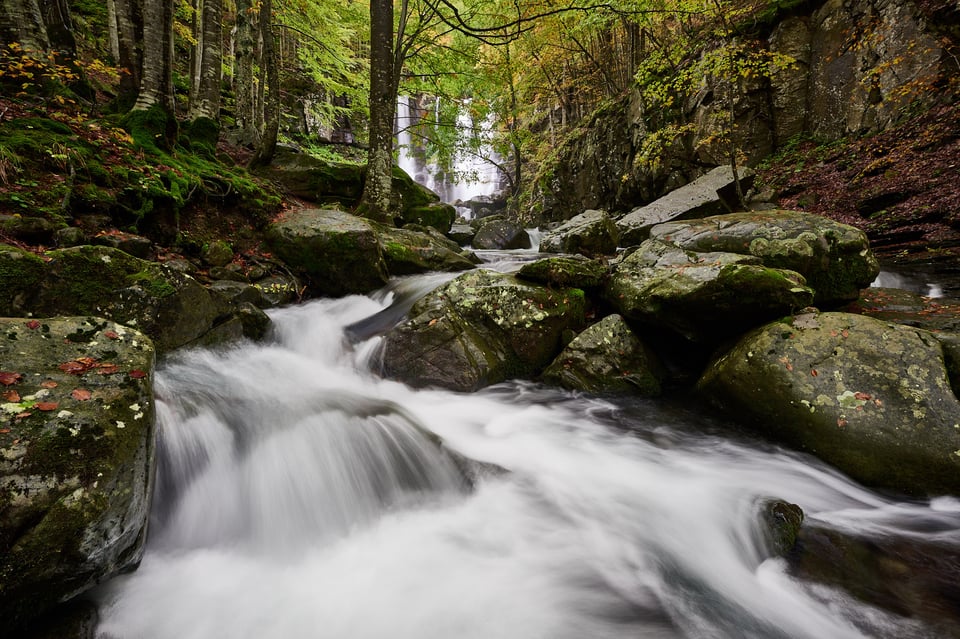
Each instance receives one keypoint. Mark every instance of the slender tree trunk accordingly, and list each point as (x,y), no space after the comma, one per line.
(206,103)
(21,21)
(243,81)
(153,80)
(377,189)
(129,26)
(271,128)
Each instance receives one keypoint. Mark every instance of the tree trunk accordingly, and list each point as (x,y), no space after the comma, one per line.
(129,26)
(375,202)
(154,83)
(206,103)
(243,81)
(21,21)
(271,115)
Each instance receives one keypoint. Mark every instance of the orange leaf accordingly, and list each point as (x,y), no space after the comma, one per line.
(107,368)
(137,374)
(12,396)
(47,406)
(81,394)
(111,334)
(33,325)
(49,383)
(9,379)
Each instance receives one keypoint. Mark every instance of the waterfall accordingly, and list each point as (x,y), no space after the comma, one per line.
(300,496)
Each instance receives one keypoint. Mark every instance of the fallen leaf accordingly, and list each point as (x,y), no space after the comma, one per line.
(33,325)
(78,366)
(137,374)
(111,334)
(4,431)
(49,383)
(47,406)
(81,394)
(25,413)
(107,369)
(814,372)
(9,379)
(12,396)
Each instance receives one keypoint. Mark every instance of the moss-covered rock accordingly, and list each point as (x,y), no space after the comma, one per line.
(438,215)
(835,258)
(407,251)
(870,397)
(336,252)
(76,458)
(480,329)
(704,296)
(20,275)
(592,233)
(565,270)
(607,357)
(497,232)
(304,176)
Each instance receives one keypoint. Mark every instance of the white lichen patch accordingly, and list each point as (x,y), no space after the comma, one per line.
(121,425)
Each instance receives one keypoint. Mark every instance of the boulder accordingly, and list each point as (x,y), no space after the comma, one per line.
(20,274)
(462,234)
(592,233)
(497,232)
(835,258)
(336,252)
(479,329)
(607,357)
(870,397)
(437,215)
(35,230)
(705,297)
(407,251)
(304,176)
(565,270)
(135,245)
(217,253)
(711,194)
(76,458)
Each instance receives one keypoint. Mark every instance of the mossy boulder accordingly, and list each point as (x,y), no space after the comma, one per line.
(76,458)
(406,251)
(304,176)
(438,215)
(607,357)
(409,194)
(592,233)
(480,329)
(835,258)
(705,297)
(20,274)
(868,396)
(565,270)
(171,307)
(497,232)
(337,253)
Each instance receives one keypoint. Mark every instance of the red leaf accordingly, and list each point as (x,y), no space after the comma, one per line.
(107,369)
(9,379)
(33,325)
(137,374)
(78,366)
(12,396)
(47,406)
(49,383)
(25,413)
(81,394)
(111,334)
(4,431)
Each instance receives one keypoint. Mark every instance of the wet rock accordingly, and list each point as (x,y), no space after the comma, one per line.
(780,524)
(565,270)
(607,357)
(704,296)
(497,232)
(304,176)
(479,329)
(76,458)
(869,397)
(336,252)
(711,194)
(592,233)
(406,251)
(278,290)
(835,258)
(437,215)
(462,234)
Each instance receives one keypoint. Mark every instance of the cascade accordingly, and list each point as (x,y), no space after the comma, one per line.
(299,496)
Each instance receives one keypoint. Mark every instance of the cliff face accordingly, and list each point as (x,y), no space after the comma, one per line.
(860,67)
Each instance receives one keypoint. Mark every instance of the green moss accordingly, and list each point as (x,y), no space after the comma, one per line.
(154,130)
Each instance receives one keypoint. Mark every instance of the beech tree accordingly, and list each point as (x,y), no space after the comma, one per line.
(205,101)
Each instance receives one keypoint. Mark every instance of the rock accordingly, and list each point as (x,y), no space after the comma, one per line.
(410,194)
(710,194)
(35,230)
(238,292)
(304,176)
(462,234)
(437,215)
(869,397)
(135,245)
(407,251)
(480,329)
(217,253)
(76,458)
(278,290)
(226,274)
(835,258)
(20,274)
(338,253)
(780,524)
(592,233)
(70,236)
(704,296)
(171,307)
(565,270)
(497,232)
(607,357)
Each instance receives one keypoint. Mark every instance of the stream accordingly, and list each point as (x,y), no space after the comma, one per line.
(300,496)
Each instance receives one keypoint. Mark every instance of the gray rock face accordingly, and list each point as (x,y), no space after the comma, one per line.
(76,458)
(870,397)
(407,251)
(338,253)
(480,329)
(592,233)
(710,194)
(607,357)
(565,270)
(500,233)
(835,258)
(703,296)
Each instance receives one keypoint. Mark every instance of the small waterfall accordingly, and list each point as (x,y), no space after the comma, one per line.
(301,497)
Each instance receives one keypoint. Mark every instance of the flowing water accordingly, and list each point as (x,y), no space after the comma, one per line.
(300,496)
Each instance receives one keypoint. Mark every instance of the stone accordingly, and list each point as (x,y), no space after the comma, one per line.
(592,233)
(711,194)
(217,253)
(32,229)
(497,233)
(76,458)
(438,215)
(407,251)
(835,258)
(462,234)
(20,274)
(135,245)
(607,357)
(479,329)
(565,270)
(706,297)
(870,397)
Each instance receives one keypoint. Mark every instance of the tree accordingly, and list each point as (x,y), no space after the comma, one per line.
(271,110)
(205,102)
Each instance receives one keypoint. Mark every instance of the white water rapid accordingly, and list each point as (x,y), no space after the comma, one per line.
(299,496)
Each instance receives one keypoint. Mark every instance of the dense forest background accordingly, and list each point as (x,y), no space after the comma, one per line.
(142,111)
